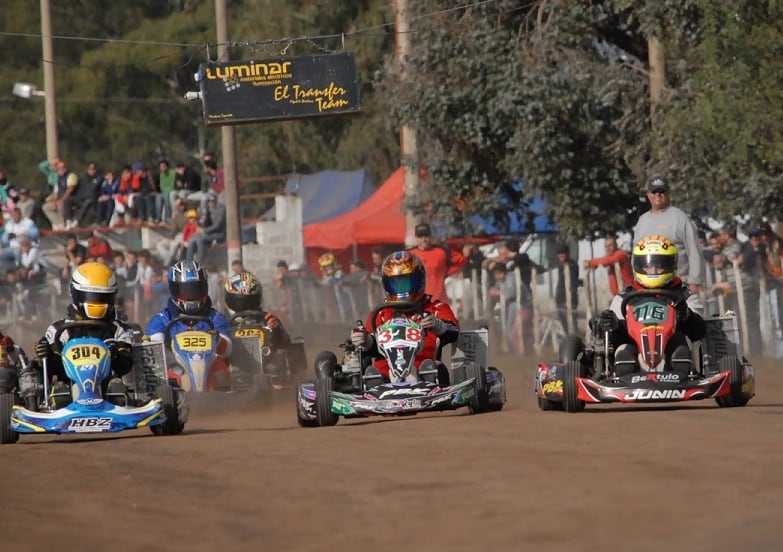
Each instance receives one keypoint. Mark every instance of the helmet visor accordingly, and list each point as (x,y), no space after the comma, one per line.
(403,286)
(190,291)
(653,264)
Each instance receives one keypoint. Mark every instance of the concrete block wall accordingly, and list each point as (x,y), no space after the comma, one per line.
(277,240)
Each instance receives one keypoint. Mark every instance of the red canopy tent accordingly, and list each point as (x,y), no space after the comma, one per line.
(378,221)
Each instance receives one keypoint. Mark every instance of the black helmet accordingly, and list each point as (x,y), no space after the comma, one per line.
(188,286)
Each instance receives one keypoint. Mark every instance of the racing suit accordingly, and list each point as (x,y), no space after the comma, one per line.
(690,324)
(119,333)
(432,344)
(157,326)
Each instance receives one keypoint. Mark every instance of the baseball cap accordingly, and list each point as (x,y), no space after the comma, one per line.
(657,184)
(211,196)
(24,191)
(422,229)
(138,166)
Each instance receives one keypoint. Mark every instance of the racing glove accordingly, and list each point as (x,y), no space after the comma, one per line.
(271,320)
(42,348)
(360,338)
(430,321)
(6,342)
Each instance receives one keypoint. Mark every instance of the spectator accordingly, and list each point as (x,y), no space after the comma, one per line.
(25,203)
(357,279)
(439,262)
(186,182)
(145,194)
(614,256)
(84,197)
(14,230)
(98,248)
(75,254)
(54,205)
(238,268)
(31,261)
(503,290)
(49,169)
(170,247)
(215,176)
(743,256)
(666,220)
(189,231)
(105,202)
(213,231)
(166,179)
(567,274)
(124,197)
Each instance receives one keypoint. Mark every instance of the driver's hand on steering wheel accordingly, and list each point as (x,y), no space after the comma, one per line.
(42,348)
(430,321)
(271,320)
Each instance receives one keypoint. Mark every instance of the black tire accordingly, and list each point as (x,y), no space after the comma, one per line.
(571,371)
(323,403)
(546,404)
(325,364)
(571,348)
(172,425)
(302,421)
(7,435)
(496,407)
(480,402)
(735,398)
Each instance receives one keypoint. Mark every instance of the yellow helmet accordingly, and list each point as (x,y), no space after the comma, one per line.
(328,263)
(403,277)
(654,261)
(93,291)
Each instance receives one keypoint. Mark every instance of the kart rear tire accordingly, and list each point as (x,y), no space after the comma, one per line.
(7,435)
(325,365)
(323,402)
(172,425)
(480,402)
(546,404)
(571,371)
(304,422)
(735,397)
(571,348)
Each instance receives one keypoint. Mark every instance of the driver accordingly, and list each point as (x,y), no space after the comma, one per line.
(243,296)
(93,292)
(403,279)
(654,263)
(189,295)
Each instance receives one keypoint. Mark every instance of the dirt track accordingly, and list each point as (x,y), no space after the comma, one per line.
(691,478)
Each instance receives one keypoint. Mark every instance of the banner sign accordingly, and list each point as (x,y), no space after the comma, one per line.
(239,92)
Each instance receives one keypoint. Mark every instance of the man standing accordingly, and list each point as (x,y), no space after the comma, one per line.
(439,261)
(614,256)
(666,220)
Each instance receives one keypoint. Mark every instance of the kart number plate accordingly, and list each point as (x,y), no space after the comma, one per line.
(85,354)
(402,404)
(89,425)
(250,332)
(194,341)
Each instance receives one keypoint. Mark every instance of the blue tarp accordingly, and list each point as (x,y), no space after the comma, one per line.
(327,194)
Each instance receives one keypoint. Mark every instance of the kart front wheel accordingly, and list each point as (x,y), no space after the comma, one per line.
(304,422)
(323,402)
(571,371)
(480,402)
(735,397)
(172,425)
(7,435)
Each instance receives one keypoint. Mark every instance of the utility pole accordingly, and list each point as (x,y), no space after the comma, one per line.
(408,147)
(657,60)
(231,191)
(50,96)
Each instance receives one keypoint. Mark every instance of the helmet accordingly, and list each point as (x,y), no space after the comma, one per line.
(93,291)
(402,274)
(654,261)
(188,286)
(328,263)
(243,292)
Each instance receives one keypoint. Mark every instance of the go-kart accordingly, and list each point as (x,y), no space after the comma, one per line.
(254,364)
(82,407)
(589,373)
(352,390)
(198,369)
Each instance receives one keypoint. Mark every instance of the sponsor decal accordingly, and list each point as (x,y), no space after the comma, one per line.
(402,404)
(655,394)
(89,425)
(666,377)
(404,392)
(89,402)
(553,386)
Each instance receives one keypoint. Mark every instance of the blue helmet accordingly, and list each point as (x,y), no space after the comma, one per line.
(188,286)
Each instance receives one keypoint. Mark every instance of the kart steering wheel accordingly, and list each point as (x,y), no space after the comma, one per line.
(190,319)
(406,307)
(57,345)
(249,314)
(673,294)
